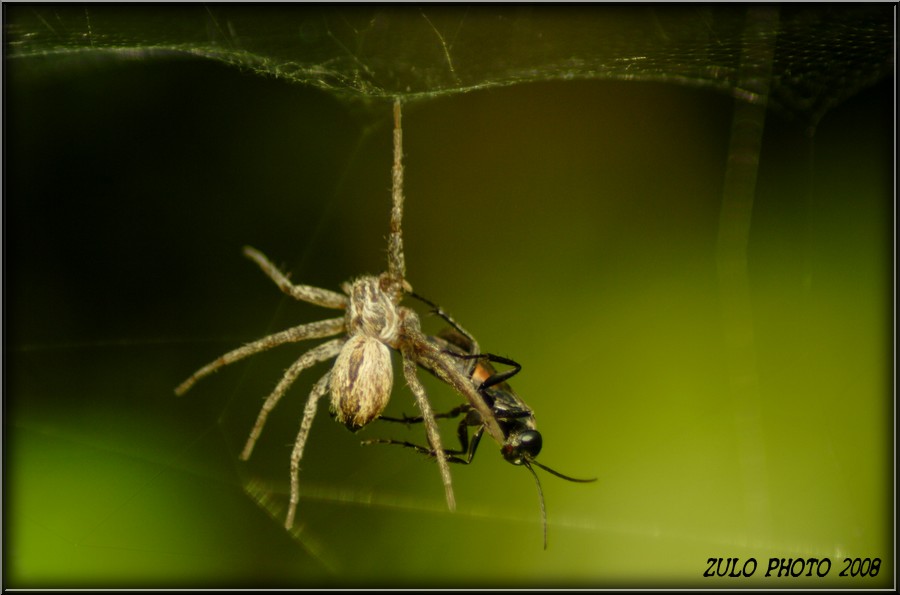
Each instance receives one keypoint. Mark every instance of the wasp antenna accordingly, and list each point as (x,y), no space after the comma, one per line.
(560,475)
(540,497)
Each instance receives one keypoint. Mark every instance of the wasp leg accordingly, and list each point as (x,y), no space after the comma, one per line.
(453,413)
(462,456)
(494,379)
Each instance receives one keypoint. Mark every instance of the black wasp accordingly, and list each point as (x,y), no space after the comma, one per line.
(521,442)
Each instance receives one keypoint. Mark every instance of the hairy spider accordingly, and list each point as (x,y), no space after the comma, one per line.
(521,441)
(361,379)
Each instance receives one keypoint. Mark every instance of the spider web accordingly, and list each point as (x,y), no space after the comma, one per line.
(115,481)
(824,54)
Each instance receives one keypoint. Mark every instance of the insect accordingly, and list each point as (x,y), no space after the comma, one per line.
(361,379)
(521,441)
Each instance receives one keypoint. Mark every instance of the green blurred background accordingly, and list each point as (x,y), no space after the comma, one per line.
(569,225)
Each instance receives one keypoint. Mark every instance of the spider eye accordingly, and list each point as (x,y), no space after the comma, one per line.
(525,444)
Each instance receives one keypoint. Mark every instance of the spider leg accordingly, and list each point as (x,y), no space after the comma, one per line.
(309,413)
(303,293)
(313,356)
(396,260)
(468,342)
(439,363)
(431,430)
(302,332)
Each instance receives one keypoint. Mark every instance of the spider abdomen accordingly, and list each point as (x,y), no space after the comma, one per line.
(361,381)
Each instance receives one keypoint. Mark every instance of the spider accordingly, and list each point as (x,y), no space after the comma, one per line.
(361,379)
(521,442)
